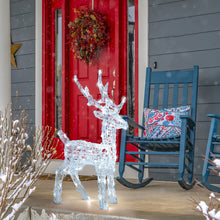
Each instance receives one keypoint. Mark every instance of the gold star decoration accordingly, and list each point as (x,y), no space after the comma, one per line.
(14,48)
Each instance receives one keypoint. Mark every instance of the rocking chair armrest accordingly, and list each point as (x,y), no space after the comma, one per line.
(213,116)
(190,121)
(132,122)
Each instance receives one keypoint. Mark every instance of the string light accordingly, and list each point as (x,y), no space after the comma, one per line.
(79,153)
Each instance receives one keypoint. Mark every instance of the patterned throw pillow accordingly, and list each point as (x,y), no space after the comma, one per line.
(164,123)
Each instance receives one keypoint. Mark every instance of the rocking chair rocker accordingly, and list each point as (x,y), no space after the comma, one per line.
(177,142)
(212,152)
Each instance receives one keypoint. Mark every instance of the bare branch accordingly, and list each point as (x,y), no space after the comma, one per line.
(20,164)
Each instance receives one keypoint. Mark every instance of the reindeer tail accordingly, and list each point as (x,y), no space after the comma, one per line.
(62,136)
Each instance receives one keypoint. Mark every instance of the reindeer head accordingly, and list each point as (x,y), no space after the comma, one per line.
(108,111)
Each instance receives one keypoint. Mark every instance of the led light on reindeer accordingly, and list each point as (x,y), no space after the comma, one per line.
(79,153)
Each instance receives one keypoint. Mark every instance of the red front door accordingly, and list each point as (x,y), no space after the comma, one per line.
(64,107)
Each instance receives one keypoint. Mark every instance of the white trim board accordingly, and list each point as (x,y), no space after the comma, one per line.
(38,62)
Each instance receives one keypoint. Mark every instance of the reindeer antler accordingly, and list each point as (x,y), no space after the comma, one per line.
(123,100)
(102,89)
(104,95)
(85,92)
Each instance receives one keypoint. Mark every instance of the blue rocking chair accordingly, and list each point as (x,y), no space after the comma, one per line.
(212,151)
(164,89)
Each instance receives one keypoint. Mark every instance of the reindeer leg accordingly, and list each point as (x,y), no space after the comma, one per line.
(112,198)
(79,188)
(102,190)
(57,191)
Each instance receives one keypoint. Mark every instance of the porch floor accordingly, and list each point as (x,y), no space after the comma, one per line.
(159,200)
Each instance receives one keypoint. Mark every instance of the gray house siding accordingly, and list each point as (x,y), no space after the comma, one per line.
(22,16)
(183,33)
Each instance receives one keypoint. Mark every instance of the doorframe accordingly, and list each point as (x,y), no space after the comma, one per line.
(137,49)
(38,62)
(141,61)
(143,53)
(143,58)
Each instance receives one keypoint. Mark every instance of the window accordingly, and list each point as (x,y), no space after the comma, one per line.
(58,69)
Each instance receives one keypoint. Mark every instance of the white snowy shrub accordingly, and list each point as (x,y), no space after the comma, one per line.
(20,164)
(211,209)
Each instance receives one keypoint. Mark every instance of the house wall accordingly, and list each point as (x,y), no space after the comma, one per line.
(184,33)
(22,16)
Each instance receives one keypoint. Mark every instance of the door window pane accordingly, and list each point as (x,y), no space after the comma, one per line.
(58,69)
(131,61)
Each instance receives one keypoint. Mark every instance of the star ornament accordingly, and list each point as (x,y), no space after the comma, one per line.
(14,48)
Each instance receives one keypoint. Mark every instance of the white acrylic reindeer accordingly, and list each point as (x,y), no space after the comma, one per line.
(103,156)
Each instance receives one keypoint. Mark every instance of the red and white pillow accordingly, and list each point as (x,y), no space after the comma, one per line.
(164,123)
